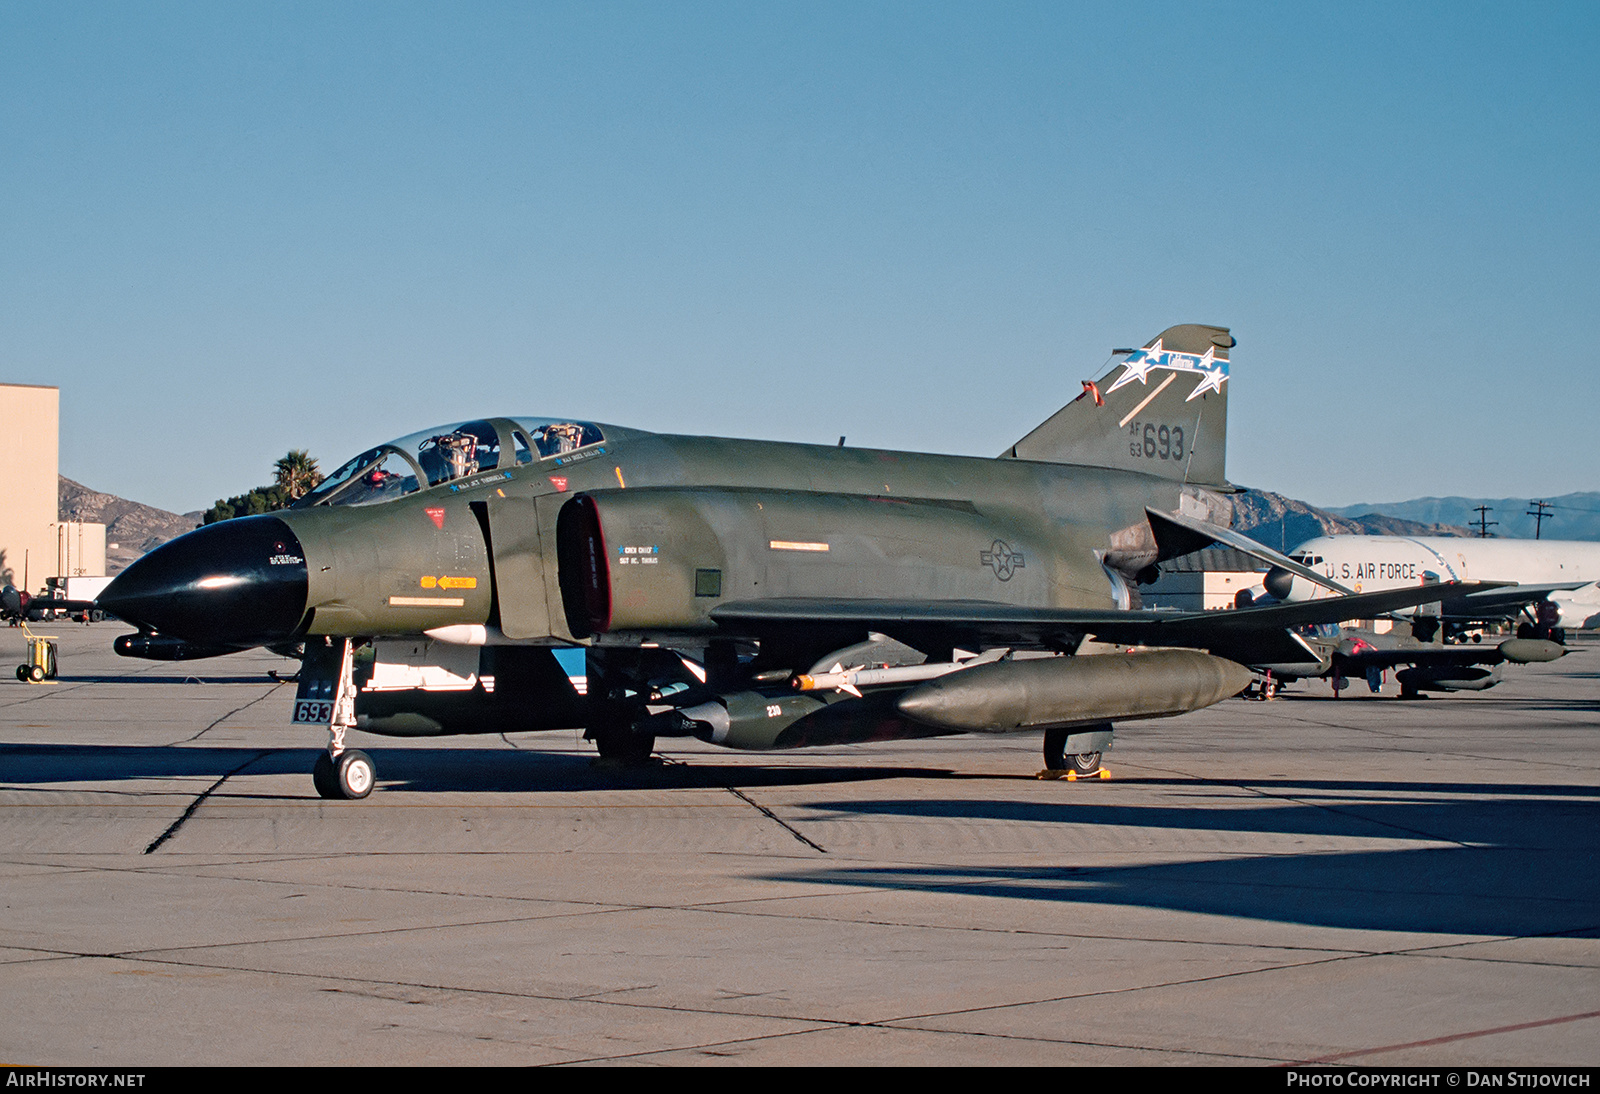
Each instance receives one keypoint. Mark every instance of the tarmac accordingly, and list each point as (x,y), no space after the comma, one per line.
(1351,881)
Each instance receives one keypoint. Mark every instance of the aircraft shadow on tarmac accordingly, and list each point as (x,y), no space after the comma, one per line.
(416,770)
(188,678)
(1517,703)
(1514,868)
(1509,860)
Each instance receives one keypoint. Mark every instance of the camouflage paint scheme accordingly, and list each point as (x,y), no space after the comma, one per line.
(758,560)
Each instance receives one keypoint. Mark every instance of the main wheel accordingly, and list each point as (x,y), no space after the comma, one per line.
(22,673)
(1085,763)
(610,725)
(1056,758)
(622,744)
(36,673)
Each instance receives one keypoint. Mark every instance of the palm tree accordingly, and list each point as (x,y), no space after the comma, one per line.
(298,474)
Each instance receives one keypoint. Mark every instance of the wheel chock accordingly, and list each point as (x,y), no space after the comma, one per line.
(1072,776)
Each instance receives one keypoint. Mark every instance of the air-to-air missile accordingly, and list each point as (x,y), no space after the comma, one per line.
(853,680)
(445,582)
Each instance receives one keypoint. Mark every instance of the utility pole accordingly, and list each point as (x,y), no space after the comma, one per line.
(1484,522)
(1538,516)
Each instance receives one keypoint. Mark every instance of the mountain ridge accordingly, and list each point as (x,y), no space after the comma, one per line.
(1283,523)
(132,528)
(1571,516)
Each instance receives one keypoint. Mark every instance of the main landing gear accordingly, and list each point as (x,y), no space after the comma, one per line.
(620,683)
(1075,753)
(611,728)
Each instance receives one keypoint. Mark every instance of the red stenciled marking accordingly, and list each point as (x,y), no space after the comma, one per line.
(559,482)
(436,514)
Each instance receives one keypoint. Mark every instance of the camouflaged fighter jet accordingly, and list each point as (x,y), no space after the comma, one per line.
(1414,647)
(755,594)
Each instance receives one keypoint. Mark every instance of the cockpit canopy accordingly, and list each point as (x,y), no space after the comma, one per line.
(447,453)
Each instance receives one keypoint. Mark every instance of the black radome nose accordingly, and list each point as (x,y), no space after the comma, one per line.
(240,582)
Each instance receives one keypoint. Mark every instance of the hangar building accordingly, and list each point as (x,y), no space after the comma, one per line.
(35,544)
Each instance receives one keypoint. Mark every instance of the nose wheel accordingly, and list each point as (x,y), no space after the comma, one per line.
(348,776)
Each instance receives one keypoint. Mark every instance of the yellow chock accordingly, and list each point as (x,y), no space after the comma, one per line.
(1072,776)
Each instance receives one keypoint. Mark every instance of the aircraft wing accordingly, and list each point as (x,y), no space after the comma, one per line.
(1178,535)
(1505,600)
(1254,635)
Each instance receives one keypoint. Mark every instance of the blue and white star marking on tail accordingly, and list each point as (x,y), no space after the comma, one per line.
(1213,370)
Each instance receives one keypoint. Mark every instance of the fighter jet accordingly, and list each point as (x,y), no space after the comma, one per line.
(1414,647)
(750,593)
(18,605)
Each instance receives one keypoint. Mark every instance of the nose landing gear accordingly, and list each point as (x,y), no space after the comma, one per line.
(326,695)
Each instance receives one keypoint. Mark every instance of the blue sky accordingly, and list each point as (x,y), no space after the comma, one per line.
(227,230)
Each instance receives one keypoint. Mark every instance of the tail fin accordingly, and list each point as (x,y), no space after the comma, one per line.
(1161,410)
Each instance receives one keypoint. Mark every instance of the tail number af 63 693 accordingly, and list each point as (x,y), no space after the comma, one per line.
(1154,441)
(316,712)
